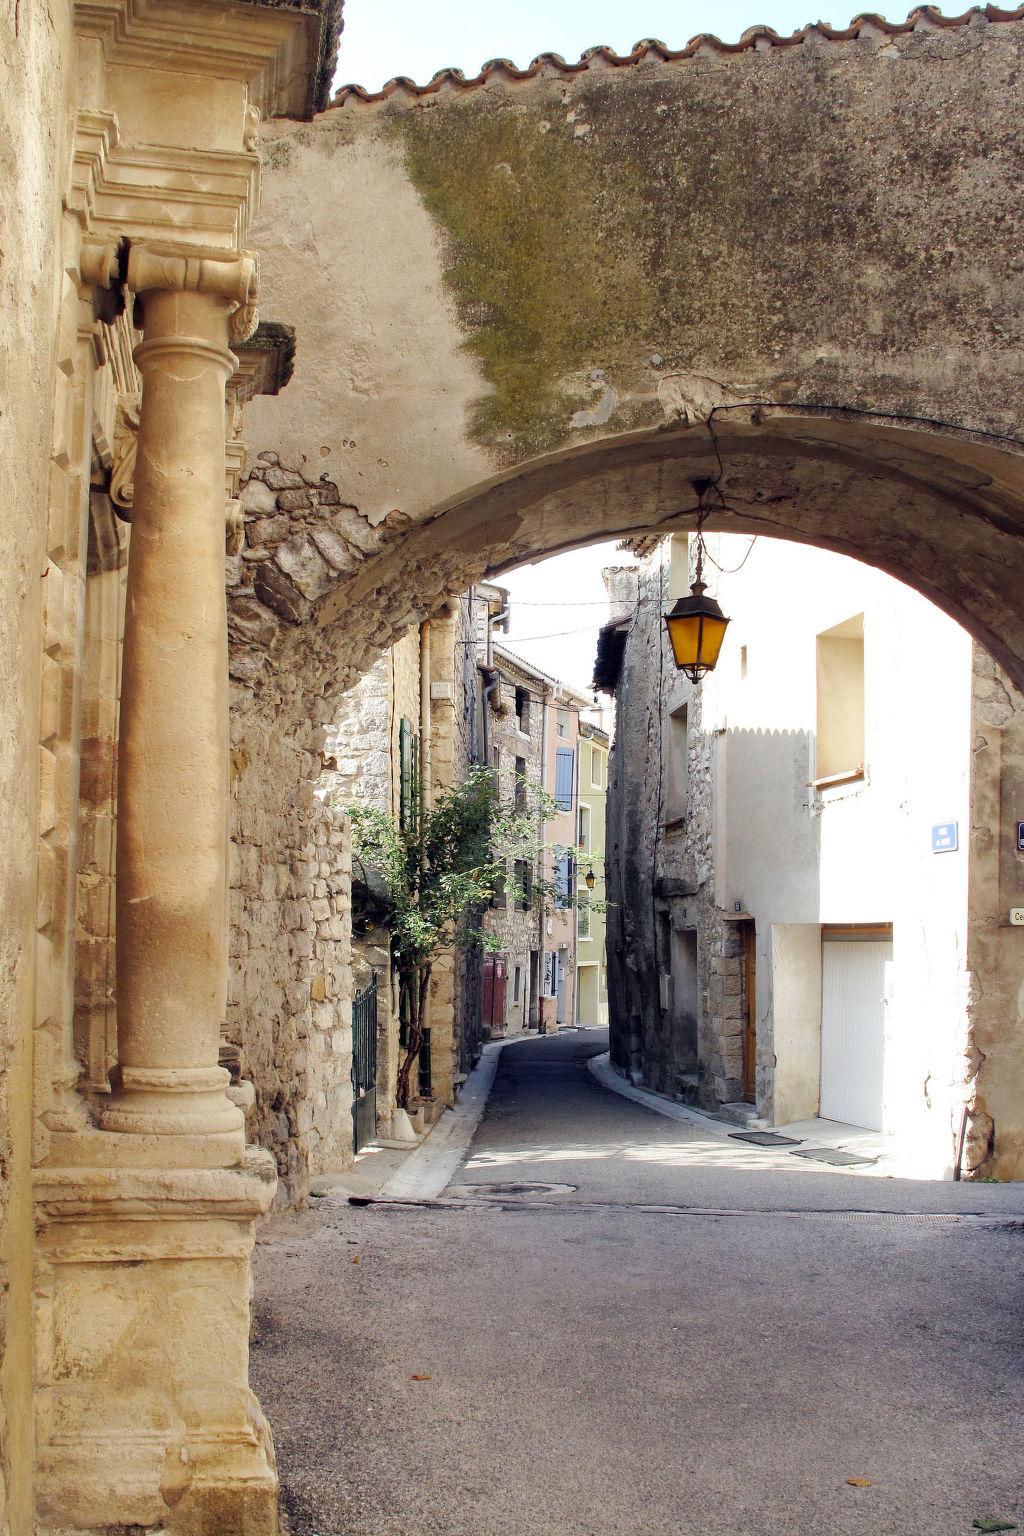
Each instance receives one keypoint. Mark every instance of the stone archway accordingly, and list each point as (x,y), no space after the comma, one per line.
(572,302)
(939,509)
(312,608)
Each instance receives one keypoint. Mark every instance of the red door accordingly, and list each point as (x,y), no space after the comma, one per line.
(495,977)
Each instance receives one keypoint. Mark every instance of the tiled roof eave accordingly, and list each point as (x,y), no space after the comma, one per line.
(924,16)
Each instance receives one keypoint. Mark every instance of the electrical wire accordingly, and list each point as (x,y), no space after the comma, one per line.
(557,634)
(732,569)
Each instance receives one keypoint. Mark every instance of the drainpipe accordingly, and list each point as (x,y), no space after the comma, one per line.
(540,858)
(574,869)
(426,780)
(488,690)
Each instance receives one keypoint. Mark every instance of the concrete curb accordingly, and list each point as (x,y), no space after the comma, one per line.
(428,1170)
(602,1069)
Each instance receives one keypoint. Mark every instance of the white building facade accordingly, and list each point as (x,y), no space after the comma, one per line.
(807,854)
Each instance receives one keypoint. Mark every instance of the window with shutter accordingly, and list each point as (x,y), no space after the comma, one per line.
(563,881)
(564,758)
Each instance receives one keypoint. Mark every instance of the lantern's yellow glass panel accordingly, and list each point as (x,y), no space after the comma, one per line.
(685,636)
(714,634)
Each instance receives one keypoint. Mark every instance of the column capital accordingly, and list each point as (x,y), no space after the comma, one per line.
(170,267)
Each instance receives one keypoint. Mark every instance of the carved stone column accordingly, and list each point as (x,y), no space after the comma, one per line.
(143,1414)
(172,831)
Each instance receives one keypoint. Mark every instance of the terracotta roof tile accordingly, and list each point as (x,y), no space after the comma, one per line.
(650,48)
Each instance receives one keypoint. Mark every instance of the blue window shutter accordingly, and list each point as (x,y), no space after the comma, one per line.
(563,777)
(563,881)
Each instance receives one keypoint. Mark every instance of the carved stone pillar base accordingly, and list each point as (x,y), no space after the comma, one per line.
(144,1415)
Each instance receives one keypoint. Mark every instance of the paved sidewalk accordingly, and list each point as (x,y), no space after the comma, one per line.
(884,1156)
(421,1169)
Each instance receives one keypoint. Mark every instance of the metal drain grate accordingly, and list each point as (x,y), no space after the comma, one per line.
(765,1138)
(502,1191)
(835,1157)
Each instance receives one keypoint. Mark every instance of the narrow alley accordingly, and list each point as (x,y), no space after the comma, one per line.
(612,1321)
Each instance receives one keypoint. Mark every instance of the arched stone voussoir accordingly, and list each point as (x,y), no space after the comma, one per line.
(321,593)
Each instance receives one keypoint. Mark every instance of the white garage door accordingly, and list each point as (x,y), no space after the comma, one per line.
(853,991)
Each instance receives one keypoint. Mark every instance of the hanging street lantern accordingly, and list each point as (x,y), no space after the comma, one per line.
(696,625)
(589,880)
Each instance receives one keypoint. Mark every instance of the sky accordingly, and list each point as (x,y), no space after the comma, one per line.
(383,38)
(559,605)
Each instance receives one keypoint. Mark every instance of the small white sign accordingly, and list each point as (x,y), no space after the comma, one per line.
(1017,917)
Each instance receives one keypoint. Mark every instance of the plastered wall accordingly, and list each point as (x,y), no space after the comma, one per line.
(759,839)
(35,69)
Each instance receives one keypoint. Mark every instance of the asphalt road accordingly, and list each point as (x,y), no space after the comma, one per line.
(524,1363)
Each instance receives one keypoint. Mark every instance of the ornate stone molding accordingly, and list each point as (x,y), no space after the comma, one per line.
(96,1193)
(122,474)
(192,269)
(277,50)
(150,192)
(168,267)
(265,361)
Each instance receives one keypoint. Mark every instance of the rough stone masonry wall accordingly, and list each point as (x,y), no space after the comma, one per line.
(288,1027)
(632,811)
(993,1063)
(658,873)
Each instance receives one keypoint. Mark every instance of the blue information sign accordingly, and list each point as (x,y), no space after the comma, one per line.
(946,837)
(1020,837)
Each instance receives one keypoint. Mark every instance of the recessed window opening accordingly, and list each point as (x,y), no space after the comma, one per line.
(524,884)
(523,709)
(562,722)
(743,661)
(840,702)
(678,765)
(520,783)
(596,768)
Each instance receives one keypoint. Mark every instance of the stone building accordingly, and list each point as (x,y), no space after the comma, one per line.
(563,708)
(794,929)
(533,734)
(407,729)
(401,464)
(592,794)
(514,701)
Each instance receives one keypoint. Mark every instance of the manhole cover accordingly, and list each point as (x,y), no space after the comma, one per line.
(765,1138)
(835,1157)
(500,1191)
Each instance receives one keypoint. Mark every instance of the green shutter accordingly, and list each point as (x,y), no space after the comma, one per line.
(405,775)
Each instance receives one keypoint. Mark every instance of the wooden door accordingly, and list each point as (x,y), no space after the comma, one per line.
(494,979)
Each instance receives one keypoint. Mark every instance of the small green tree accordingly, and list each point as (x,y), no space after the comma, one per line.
(441,871)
